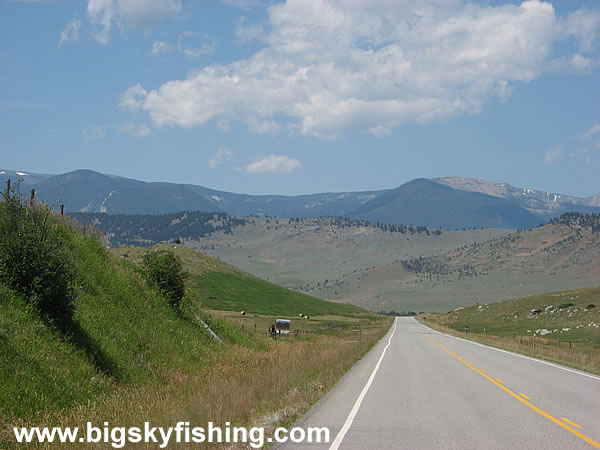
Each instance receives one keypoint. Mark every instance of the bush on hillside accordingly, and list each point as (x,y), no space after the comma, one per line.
(35,256)
(164,269)
(565,305)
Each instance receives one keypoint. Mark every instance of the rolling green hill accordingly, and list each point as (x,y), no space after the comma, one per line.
(382,267)
(378,266)
(567,315)
(218,286)
(381,270)
(566,326)
(124,340)
(123,333)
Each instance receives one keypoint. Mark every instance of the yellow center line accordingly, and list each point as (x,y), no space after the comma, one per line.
(499,380)
(525,396)
(564,419)
(525,402)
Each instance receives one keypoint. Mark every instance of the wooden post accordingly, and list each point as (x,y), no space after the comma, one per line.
(8,187)
(360,339)
(62,209)
(32,198)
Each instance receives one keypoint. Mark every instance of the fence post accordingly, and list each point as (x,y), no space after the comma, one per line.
(360,339)
(62,209)
(32,198)
(534,343)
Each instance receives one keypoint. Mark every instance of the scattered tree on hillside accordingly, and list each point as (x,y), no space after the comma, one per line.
(163,268)
(146,230)
(579,220)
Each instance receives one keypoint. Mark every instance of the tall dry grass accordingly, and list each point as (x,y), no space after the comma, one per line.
(242,386)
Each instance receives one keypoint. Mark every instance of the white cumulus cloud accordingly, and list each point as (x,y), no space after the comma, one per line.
(333,66)
(133,98)
(585,25)
(576,64)
(274,164)
(142,15)
(245,32)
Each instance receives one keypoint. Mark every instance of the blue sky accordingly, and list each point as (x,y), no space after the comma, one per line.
(304,96)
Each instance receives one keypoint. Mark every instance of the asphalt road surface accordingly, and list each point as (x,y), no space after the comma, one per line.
(418,388)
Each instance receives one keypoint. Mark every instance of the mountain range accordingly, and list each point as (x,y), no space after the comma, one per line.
(450,203)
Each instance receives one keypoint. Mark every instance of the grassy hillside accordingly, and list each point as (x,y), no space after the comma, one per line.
(219,286)
(367,266)
(123,333)
(554,257)
(127,356)
(567,328)
(304,255)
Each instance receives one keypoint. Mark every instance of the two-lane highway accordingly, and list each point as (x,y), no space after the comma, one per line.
(421,389)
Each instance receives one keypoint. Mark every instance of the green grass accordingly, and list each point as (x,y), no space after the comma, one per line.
(575,330)
(126,339)
(39,369)
(511,317)
(124,334)
(242,293)
(219,286)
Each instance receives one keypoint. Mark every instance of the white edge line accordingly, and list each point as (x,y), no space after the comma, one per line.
(516,354)
(340,436)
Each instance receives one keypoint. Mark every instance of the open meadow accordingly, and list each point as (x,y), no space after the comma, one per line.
(566,329)
(414,271)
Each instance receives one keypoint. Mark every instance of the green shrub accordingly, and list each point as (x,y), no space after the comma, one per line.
(36,257)
(565,305)
(164,269)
